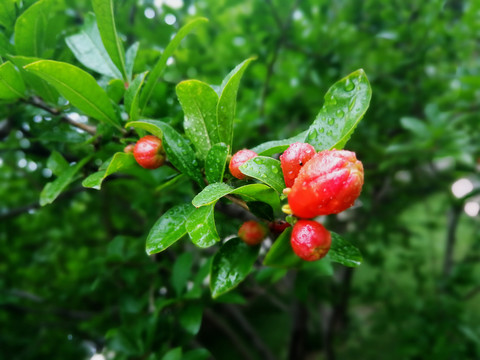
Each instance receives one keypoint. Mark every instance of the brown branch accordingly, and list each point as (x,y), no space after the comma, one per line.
(37,102)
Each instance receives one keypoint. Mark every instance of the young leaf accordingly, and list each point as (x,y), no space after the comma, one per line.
(278,146)
(132,96)
(231,265)
(341,251)
(106,25)
(57,163)
(178,150)
(281,253)
(88,48)
(31,28)
(265,169)
(227,102)
(345,104)
(162,62)
(199,102)
(42,89)
(168,229)
(78,87)
(201,227)
(130,57)
(119,162)
(216,162)
(213,192)
(52,189)
(11,82)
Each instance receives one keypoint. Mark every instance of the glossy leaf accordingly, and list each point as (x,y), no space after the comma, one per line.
(78,87)
(31,28)
(227,102)
(216,162)
(281,253)
(52,189)
(88,48)
(120,161)
(278,146)
(162,62)
(11,82)
(42,88)
(265,169)
(345,104)
(57,163)
(343,252)
(199,102)
(108,32)
(132,96)
(231,265)
(201,227)
(179,152)
(213,192)
(168,229)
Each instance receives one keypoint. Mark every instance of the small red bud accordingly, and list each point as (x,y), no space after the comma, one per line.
(329,183)
(293,159)
(238,159)
(310,240)
(129,148)
(149,152)
(252,232)
(278,226)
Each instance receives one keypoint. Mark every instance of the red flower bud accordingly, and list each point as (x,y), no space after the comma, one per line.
(293,159)
(278,226)
(329,183)
(149,152)
(252,232)
(310,240)
(238,159)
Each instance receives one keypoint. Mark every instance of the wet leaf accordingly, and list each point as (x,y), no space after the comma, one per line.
(120,161)
(281,253)
(345,104)
(265,169)
(216,162)
(201,228)
(343,252)
(168,229)
(231,265)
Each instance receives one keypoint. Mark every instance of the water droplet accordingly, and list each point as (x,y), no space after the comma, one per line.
(275,170)
(340,113)
(321,131)
(329,133)
(332,100)
(313,134)
(257,161)
(349,85)
(331,121)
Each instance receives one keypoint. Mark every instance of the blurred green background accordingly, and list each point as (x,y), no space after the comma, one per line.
(75,282)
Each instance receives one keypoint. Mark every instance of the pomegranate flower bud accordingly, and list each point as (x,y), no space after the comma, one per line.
(149,153)
(238,159)
(252,232)
(293,159)
(310,240)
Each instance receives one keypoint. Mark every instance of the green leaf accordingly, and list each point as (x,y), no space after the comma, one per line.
(199,103)
(322,267)
(227,102)
(281,253)
(345,104)
(132,97)
(343,252)
(216,162)
(213,192)
(52,189)
(130,57)
(174,354)
(170,182)
(32,34)
(231,265)
(11,82)
(5,46)
(197,354)
(201,227)
(181,272)
(266,170)
(78,87)
(162,62)
(7,13)
(88,48)
(57,163)
(42,89)
(278,146)
(168,229)
(120,161)
(191,318)
(106,25)
(116,90)
(178,150)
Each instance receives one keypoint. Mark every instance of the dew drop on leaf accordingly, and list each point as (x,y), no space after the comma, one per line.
(331,121)
(349,85)
(340,113)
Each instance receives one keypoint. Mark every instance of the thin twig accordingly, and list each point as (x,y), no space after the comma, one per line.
(238,201)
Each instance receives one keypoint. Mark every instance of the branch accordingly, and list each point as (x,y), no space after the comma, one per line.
(452,222)
(37,102)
